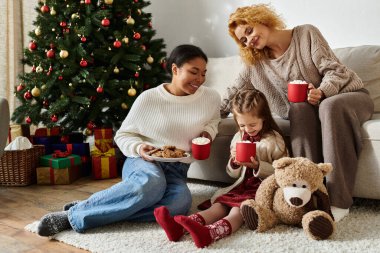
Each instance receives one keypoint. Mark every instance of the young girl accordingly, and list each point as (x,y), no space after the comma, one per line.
(255,122)
(170,114)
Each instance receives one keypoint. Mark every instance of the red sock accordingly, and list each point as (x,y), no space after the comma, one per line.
(173,230)
(205,235)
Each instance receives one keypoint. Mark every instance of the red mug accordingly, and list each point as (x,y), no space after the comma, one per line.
(200,148)
(244,151)
(297,92)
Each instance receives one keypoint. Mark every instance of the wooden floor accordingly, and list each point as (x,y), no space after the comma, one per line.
(23,205)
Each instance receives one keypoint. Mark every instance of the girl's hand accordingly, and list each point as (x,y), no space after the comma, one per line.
(206,135)
(254,164)
(145,150)
(314,96)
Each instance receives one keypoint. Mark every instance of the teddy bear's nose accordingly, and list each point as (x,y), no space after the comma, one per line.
(296,201)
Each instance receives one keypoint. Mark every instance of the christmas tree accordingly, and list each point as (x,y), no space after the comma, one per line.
(90,59)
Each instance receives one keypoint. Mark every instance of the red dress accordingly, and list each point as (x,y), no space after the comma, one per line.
(246,189)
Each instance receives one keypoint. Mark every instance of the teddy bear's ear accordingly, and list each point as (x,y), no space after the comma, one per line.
(326,168)
(282,162)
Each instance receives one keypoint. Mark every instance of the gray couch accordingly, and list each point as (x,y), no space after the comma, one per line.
(4,123)
(364,60)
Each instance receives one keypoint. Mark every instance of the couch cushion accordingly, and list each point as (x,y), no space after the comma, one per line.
(370,128)
(365,61)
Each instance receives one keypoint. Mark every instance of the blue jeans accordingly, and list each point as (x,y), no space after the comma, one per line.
(144,186)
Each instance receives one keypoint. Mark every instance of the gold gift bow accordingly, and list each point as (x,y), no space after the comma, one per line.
(96,152)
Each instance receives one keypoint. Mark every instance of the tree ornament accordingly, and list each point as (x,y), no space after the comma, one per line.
(83,39)
(50,53)
(87,1)
(52,11)
(125,40)
(62,24)
(90,125)
(39,69)
(71,84)
(92,98)
(130,20)
(135,1)
(143,47)
(137,74)
(150,59)
(124,106)
(116,70)
(150,24)
(54,118)
(139,11)
(105,22)
(27,95)
(45,103)
(83,63)
(75,16)
(28,120)
(66,30)
(60,78)
(108,1)
(63,54)
(20,87)
(137,36)
(45,8)
(37,31)
(36,92)
(99,89)
(33,68)
(43,87)
(117,44)
(32,45)
(132,92)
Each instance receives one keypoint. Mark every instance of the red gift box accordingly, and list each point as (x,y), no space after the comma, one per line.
(47,131)
(16,130)
(104,164)
(103,139)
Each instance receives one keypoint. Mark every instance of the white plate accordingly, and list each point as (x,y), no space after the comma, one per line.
(169,160)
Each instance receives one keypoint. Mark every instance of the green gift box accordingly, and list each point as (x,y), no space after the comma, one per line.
(60,162)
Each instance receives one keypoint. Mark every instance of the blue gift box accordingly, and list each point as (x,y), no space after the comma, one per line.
(47,141)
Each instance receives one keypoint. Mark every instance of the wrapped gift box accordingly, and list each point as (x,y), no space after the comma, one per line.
(16,130)
(103,138)
(47,141)
(48,175)
(81,149)
(43,131)
(56,162)
(104,164)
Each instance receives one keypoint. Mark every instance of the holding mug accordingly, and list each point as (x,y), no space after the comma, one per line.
(201,147)
(244,151)
(297,91)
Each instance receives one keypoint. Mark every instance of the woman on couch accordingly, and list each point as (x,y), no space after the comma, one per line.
(326,128)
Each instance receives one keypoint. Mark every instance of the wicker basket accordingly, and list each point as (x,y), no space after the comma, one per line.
(18,167)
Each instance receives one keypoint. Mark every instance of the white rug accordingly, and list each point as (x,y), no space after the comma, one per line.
(359,232)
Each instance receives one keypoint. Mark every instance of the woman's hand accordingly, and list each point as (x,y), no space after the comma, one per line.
(145,150)
(206,135)
(315,96)
(254,164)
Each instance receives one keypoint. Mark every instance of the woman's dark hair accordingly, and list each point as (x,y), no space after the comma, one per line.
(182,54)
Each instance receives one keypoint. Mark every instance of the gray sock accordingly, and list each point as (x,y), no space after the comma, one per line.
(53,223)
(67,206)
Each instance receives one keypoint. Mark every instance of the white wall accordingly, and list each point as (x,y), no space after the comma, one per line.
(204,22)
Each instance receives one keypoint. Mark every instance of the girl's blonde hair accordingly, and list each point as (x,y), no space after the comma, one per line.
(252,15)
(254,102)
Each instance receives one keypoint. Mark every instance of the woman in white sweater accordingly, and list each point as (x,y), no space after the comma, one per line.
(325,128)
(170,114)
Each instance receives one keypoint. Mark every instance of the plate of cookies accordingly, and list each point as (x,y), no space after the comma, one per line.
(168,154)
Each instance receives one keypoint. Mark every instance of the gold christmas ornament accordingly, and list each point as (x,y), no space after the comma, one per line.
(36,92)
(39,69)
(71,84)
(150,59)
(108,1)
(74,16)
(63,54)
(116,70)
(124,106)
(130,21)
(37,31)
(132,92)
(125,40)
(43,87)
(52,11)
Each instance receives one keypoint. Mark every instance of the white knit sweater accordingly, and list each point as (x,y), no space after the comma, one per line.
(159,118)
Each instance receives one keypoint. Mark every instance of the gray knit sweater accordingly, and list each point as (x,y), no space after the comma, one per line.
(308,58)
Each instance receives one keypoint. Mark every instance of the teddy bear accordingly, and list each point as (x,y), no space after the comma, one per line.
(294,195)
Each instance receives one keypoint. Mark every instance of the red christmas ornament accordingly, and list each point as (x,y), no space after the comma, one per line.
(117,44)
(54,118)
(150,24)
(27,95)
(83,39)
(137,74)
(45,8)
(63,24)
(99,89)
(90,125)
(65,139)
(163,64)
(93,98)
(45,103)
(105,22)
(50,53)
(87,1)
(135,1)
(32,45)
(20,87)
(34,68)
(60,78)
(66,30)
(143,47)
(28,120)
(83,63)
(137,36)
(50,68)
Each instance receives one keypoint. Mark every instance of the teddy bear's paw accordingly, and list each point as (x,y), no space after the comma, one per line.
(320,228)
(250,217)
